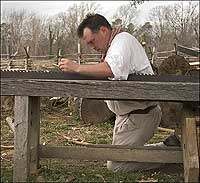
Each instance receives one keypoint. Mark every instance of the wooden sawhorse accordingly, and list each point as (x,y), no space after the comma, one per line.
(28,151)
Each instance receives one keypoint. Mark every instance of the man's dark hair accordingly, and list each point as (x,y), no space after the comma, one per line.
(93,22)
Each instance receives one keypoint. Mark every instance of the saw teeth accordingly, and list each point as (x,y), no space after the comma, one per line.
(31,74)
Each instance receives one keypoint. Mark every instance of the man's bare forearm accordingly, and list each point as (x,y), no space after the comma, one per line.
(98,70)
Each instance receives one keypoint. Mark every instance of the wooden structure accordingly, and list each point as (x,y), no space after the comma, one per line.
(94,111)
(28,150)
(190,54)
(188,51)
(28,62)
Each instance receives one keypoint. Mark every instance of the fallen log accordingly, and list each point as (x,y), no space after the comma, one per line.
(94,111)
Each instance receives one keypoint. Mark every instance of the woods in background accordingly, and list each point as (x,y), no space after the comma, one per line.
(45,35)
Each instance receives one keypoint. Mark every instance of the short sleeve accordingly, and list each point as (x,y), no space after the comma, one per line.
(118,58)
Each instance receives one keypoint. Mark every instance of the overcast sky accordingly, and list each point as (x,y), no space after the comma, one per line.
(54,7)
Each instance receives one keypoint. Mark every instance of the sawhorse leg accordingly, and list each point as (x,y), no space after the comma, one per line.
(26,140)
(190,147)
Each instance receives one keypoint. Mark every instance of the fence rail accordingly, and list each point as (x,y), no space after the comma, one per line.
(26,61)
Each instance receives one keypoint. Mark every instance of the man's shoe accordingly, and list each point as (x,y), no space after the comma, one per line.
(172,140)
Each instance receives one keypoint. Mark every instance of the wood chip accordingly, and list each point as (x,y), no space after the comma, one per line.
(7,147)
(100,176)
(70,178)
(75,141)
(166,130)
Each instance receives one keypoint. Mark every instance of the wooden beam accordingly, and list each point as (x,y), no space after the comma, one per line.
(113,153)
(125,90)
(21,169)
(188,51)
(34,134)
(27,57)
(190,147)
(26,141)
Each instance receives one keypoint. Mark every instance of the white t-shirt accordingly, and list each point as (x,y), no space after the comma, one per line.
(125,56)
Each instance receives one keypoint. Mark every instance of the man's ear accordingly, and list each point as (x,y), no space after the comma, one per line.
(103,29)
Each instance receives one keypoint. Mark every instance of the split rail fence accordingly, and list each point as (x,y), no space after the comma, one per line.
(27,62)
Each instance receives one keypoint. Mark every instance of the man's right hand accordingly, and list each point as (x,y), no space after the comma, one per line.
(67,65)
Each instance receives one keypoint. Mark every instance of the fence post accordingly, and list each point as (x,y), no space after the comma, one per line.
(79,52)
(58,56)
(27,57)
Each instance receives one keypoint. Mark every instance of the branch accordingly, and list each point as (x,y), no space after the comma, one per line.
(69,139)
(7,147)
(166,130)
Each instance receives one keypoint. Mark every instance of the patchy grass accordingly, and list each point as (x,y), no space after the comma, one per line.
(55,126)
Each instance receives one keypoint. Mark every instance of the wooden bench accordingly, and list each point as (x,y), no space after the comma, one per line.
(28,150)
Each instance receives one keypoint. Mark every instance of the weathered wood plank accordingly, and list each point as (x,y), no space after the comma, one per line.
(130,90)
(21,169)
(34,134)
(145,154)
(190,147)
(188,51)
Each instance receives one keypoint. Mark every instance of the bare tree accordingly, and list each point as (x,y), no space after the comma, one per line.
(51,39)
(144,34)
(158,18)
(135,3)
(125,15)
(163,35)
(23,29)
(34,29)
(5,39)
(66,24)
(180,18)
(16,21)
(175,23)
(195,26)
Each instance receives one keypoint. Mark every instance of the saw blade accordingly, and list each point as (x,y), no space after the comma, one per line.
(59,75)
(54,75)
(163,78)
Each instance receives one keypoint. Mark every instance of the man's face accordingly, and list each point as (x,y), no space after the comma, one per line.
(98,41)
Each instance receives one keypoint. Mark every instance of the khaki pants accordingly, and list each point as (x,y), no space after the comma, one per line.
(134,130)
